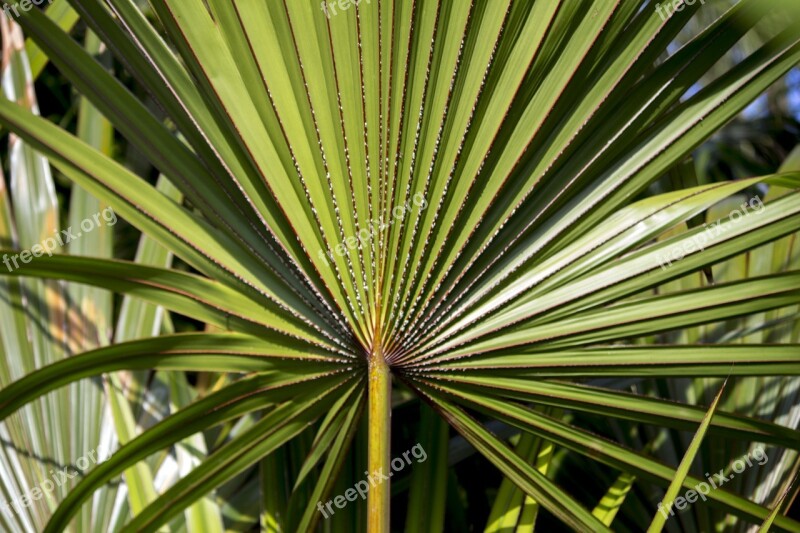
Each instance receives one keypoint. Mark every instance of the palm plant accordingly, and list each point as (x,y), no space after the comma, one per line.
(437,197)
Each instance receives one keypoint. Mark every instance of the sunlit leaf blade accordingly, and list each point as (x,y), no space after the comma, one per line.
(203,515)
(526,477)
(654,360)
(65,18)
(610,453)
(237,399)
(765,527)
(609,505)
(513,508)
(274,429)
(683,468)
(192,295)
(226,353)
(77,320)
(618,404)
(310,508)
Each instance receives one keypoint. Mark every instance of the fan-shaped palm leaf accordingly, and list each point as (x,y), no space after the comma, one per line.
(450,194)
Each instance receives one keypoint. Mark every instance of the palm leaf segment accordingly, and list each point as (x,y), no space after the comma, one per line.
(411,188)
